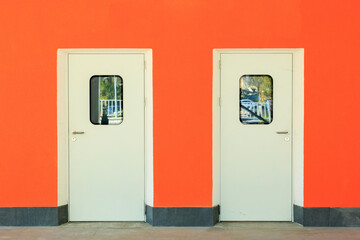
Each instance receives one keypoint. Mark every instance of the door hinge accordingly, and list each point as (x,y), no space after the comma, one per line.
(219,64)
(220,101)
(144,65)
(144,102)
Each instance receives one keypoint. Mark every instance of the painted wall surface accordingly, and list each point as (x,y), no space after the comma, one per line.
(182,35)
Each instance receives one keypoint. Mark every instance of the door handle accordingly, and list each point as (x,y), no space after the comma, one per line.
(282,132)
(77,132)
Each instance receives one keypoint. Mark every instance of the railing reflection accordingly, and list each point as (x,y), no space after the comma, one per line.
(255,112)
(114,108)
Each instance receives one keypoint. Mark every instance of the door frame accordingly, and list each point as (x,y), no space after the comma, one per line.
(297,165)
(63,120)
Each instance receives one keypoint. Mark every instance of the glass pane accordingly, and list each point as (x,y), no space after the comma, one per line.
(106,100)
(256,99)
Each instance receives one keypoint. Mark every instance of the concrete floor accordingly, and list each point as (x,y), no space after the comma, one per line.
(137,230)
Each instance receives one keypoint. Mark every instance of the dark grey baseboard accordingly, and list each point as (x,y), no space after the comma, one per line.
(182,216)
(327,216)
(33,216)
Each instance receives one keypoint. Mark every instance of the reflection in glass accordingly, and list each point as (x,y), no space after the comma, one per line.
(106,100)
(256,99)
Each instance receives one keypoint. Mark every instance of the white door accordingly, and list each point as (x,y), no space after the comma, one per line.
(106,131)
(256,125)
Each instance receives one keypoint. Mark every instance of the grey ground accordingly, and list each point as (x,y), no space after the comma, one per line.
(137,230)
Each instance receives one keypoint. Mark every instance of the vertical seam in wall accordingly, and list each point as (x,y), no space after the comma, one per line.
(219,130)
(292,137)
(303,124)
(68,129)
(145,135)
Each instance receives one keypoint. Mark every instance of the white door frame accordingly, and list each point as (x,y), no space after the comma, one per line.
(63,119)
(297,122)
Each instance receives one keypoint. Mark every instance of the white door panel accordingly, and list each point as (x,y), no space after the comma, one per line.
(106,163)
(255,160)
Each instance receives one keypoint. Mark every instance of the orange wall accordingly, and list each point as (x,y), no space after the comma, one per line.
(182,34)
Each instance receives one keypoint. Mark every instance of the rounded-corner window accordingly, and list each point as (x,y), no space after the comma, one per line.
(256,99)
(106,100)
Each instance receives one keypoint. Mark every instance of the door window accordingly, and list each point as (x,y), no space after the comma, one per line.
(256,99)
(106,100)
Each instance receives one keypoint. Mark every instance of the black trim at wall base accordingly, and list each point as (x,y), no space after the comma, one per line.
(182,216)
(33,216)
(327,216)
